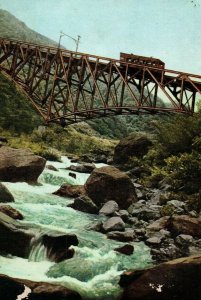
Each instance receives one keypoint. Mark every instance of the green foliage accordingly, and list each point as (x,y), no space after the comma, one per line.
(157,174)
(167,210)
(16,113)
(185,171)
(51,154)
(194,202)
(178,134)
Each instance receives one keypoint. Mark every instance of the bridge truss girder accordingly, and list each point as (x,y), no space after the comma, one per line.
(69,87)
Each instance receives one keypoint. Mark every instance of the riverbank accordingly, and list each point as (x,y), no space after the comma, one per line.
(95,268)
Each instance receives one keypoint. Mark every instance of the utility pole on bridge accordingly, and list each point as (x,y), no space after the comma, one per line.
(77,41)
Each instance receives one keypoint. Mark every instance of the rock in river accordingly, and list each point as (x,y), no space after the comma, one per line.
(177,279)
(5,194)
(11,288)
(71,191)
(114,224)
(108,183)
(11,212)
(58,244)
(82,168)
(13,239)
(84,204)
(20,165)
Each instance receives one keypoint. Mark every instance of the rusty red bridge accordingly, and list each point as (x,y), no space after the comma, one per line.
(67,87)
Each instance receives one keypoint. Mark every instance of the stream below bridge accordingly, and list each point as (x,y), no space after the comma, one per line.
(95,268)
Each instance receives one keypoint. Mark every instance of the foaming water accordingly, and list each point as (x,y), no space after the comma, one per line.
(95,268)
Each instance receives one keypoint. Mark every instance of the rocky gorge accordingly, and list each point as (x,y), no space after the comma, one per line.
(83,231)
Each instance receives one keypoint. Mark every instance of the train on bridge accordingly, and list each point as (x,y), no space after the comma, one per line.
(142,60)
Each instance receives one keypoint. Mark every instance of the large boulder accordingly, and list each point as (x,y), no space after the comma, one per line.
(20,165)
(131,146)
(5,194)
(11,288)
(108,183)
(177,279)
(185,225)
(13,239)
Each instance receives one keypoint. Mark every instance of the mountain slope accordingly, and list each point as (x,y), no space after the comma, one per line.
(13,28)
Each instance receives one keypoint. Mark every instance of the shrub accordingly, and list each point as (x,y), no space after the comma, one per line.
(185,171)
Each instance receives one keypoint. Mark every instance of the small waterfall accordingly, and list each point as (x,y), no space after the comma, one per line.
(38,250)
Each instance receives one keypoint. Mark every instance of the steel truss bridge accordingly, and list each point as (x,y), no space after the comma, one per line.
(68,87)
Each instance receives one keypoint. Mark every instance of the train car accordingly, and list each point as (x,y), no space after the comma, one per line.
(142,60)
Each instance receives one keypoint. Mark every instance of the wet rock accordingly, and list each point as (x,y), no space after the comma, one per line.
(84,204)
(52,168)
(131,146)
(5,194)
(122,236)
(71,174)
(177,279)
(109,208)
(114,224)
(126,249)
(185,225)
(10,288)
(107,183)
(11,212)
(82,168)
(13,239)
(20,165)
(70,191)
(58,244)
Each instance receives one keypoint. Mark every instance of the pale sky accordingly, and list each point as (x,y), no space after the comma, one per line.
(166,29)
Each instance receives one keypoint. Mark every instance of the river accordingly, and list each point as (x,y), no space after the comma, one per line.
(95,268)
